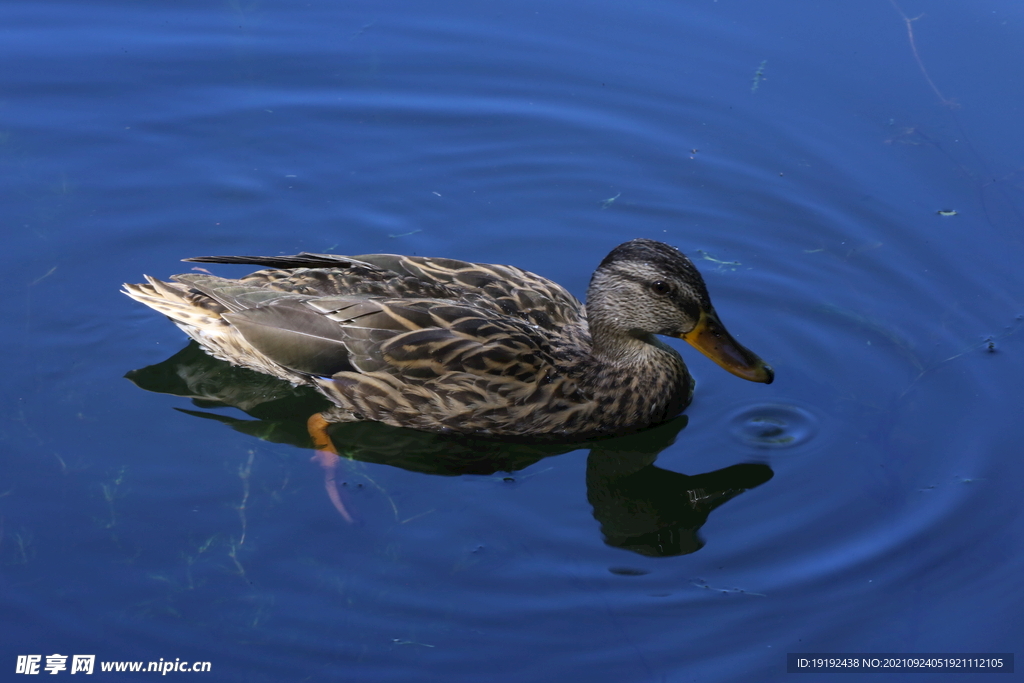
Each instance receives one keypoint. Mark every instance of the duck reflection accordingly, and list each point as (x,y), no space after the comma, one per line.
(641,507)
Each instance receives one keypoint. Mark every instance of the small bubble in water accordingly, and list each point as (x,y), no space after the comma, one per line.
(773,426)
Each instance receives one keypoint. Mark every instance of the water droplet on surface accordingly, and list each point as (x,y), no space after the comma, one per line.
(773,426)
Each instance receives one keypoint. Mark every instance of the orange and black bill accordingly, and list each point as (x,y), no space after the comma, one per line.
(712,339)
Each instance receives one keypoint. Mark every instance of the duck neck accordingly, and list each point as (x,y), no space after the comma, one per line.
(612,345)
(647,374)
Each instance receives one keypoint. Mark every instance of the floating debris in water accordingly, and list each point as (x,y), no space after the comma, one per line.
(605,203)
(946,212)
(362,29)
(701,583)
(758,76)
(43,277)
(404,234)
(722,265)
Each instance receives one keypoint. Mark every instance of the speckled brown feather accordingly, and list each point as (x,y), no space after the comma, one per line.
(431,343)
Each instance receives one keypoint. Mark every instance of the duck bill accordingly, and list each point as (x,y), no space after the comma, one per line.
(712,339)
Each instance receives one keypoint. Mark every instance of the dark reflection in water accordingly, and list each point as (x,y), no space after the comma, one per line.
(657,512)
(641,507)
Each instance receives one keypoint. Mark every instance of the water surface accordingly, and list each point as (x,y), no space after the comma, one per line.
(858,221)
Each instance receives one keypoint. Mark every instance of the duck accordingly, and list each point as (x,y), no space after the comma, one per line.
(450,346)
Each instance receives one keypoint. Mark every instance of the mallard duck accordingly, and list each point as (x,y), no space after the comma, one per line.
(450,346)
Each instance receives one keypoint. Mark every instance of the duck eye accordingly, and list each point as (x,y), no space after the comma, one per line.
(660,287)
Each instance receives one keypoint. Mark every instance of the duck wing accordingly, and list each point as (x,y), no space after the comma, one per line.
(414,339)
(514,292)
(504,289)
(430,364)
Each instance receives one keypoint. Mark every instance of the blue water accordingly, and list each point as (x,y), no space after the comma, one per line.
(799,152)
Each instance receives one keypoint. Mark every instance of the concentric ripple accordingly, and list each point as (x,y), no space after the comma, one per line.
(773,425)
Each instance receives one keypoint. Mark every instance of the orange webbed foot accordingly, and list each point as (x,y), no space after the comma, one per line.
(327,457)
